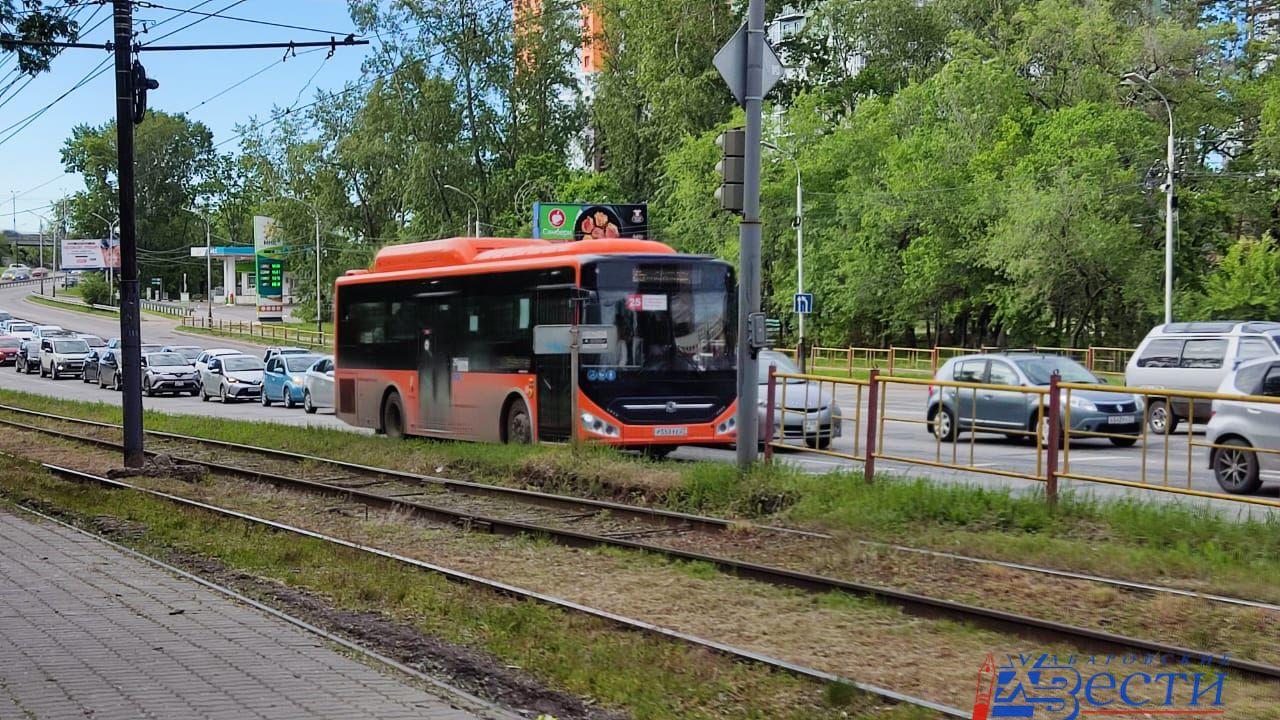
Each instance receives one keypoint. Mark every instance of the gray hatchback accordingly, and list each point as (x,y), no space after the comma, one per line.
(952,410)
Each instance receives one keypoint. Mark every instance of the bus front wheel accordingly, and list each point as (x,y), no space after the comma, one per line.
(393,417)
(519,426)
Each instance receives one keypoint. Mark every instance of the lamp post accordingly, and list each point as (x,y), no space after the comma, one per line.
(111,236)
(473,202)
(43,220)
(316,213)
(799,225)
(208,262)
(1135,79)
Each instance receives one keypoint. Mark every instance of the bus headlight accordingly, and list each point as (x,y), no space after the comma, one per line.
(599,426)
(728,426)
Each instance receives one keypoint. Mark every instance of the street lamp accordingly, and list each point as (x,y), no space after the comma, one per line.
(1134,79)
(43,220)
(316,213)
(473,202)
(112,225)
(799,225)
(208,261)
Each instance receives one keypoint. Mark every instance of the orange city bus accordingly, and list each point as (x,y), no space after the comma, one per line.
(437,339)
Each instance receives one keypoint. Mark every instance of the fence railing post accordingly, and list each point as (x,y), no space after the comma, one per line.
(849,359)
(768,414)
(873,403)
(1051,444)
(890,359)
(1089,359)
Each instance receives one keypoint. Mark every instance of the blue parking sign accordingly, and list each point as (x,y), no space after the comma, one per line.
(803,304)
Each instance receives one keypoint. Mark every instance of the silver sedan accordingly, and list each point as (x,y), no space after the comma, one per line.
(803,410)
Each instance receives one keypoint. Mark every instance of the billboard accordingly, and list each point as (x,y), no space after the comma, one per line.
(268,249)
(89,254)
(576,221)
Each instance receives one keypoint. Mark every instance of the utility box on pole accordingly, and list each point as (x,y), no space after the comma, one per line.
(732,169)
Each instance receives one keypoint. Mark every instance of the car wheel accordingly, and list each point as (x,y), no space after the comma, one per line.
(288,398)
(821,443)
(146,389)
(101,385)
(1043,432)
(519,426)
(1124,441)
(223,396)
(307,404)
(393,417)
(1236,468)
(1160,419)
(117,384)
(194,392)
(944,425)
(53,374)
(204,396)
(266,401)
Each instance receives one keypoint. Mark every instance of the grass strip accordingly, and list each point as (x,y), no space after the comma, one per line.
(649,677)
(72,306)
(1142,540)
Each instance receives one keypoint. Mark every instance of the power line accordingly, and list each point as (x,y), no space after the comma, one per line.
(22,124)
(246,79)
(246,20)
(205,16)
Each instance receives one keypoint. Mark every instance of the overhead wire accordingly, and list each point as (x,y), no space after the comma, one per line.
(265,23)
(203,18)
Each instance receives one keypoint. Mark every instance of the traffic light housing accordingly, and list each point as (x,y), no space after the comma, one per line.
(732,169)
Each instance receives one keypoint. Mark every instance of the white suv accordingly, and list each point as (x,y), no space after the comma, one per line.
(1194,356)
(61,356)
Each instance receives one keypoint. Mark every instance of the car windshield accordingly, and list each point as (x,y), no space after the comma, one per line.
(299,363)
(150,349)
(71,346)
(237,363)
(1039,370)
(783,362)
(164,358)
(9,342)
(188,353)
(19,327)
(93,341)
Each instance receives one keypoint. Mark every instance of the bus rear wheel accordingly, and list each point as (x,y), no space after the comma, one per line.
(393,417)
(519,426)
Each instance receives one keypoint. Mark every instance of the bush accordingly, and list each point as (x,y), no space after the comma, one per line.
(94,290)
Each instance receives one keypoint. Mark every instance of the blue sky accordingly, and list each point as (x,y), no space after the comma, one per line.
(31,158)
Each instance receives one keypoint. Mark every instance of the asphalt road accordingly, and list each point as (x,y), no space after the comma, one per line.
(985,452)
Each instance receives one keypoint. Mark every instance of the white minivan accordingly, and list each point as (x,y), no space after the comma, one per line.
(1194,356)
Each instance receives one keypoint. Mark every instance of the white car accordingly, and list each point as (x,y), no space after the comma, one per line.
(318,391)
(1246,435)
(60,356)
(19,329)
(232,377)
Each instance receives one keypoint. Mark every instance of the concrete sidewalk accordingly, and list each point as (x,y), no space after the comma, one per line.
(87,631)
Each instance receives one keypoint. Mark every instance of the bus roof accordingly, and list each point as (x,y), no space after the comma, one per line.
(456,252)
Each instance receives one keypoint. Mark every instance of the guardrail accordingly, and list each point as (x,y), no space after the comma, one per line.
(898,361)
(164,308)
(263,331)
(1043,425)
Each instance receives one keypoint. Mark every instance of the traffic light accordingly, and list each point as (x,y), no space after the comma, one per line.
(733,145)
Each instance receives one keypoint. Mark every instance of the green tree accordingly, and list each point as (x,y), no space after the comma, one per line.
(32,22)
(1244,285)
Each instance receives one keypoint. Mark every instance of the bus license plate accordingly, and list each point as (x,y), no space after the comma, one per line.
(1122,420)
(670,432)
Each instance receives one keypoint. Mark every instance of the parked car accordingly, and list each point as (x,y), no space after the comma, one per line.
(9,349)
(202,360)
(40,332)
(19,329)
(283,379)
(318,390)
(273,351)
(91,363)
(39,272)
(232,377)
(61,356)
(189,353)
(1240,428)
(5,317)
(93,341)
(811,413)
(952,410)
(109,370)
(1194,356)
(168,372)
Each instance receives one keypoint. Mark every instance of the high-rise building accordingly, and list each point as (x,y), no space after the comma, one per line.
(528,12)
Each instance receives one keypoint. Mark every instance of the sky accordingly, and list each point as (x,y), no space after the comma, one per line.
(30,161)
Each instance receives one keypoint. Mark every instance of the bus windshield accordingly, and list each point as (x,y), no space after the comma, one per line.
(670,317)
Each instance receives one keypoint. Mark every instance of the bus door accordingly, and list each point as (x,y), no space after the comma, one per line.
(435,354)
(554,403)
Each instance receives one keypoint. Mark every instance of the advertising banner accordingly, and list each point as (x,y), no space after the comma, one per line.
(89,254)
(268,249)
(573,221)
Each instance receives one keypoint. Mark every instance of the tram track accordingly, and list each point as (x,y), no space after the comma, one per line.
(509,590)
(608,533)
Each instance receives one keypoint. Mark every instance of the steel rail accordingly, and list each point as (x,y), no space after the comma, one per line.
(635,512)
(915,603)
(644,513)
(517,592)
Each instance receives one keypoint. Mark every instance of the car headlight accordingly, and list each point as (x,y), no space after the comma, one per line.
(1080,403)
(232,380)
(296,379)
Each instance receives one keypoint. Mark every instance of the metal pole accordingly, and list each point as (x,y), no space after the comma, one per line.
(208,268)
(800,253)
(130,317)
(473,202)
(319,314)
(1169,211)
(749,242)
(41,265)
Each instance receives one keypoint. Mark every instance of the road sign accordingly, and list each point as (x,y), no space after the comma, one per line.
(803,303)
(155,281)
(731,61)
